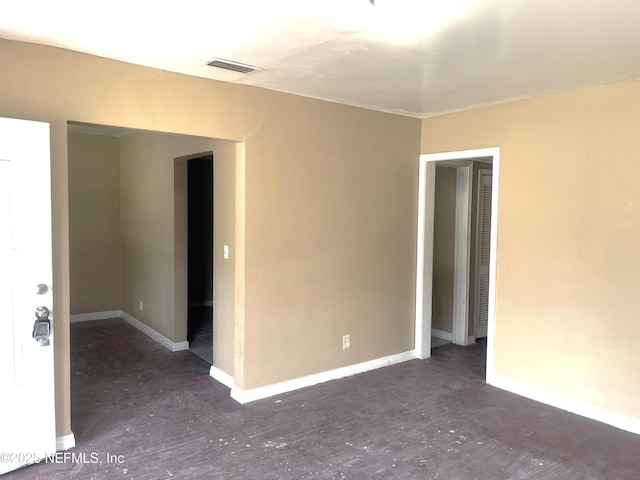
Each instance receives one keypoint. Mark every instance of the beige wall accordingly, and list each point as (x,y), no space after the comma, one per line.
(148,227)
(329,207)
(568,232)
(225,160)
(154,230)
(94,223)
(444,229)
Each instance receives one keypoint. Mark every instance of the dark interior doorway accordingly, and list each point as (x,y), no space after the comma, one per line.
(200,256)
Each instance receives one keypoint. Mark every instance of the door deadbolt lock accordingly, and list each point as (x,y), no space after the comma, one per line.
(42,326)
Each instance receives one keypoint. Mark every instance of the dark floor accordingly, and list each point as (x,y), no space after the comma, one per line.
(432,419)
(200,334)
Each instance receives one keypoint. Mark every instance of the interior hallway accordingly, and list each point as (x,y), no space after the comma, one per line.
(200,334)
(434,419)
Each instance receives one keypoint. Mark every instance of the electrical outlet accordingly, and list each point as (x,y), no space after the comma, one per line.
(346,341)
(141,305)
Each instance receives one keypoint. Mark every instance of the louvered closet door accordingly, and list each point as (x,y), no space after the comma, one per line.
(483,255)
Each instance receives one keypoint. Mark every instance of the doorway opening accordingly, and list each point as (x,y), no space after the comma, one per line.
(455,296)
(128,253)
(200,256)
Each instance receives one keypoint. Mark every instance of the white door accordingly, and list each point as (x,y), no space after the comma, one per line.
(483,253)
(27,408)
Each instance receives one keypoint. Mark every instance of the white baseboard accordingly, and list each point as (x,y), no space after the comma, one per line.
(223,377)
(134,322)
(442,334)
(245,396)
(65,442)
(569,404)
(471,339)
(85,317)
(158,337)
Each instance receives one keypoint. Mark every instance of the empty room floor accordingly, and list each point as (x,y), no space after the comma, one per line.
(142,412)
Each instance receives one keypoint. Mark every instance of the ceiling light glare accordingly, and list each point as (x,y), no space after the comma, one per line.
(405,21)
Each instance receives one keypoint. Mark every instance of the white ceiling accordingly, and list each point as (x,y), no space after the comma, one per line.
(413,57)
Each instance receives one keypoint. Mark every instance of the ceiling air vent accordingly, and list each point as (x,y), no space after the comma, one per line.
(233,66)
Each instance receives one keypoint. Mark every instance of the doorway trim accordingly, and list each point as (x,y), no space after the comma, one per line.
(424,265)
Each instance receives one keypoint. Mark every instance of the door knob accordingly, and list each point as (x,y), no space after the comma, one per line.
(41,289)
(42,326)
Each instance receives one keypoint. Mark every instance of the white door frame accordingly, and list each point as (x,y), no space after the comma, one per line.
(424,266)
